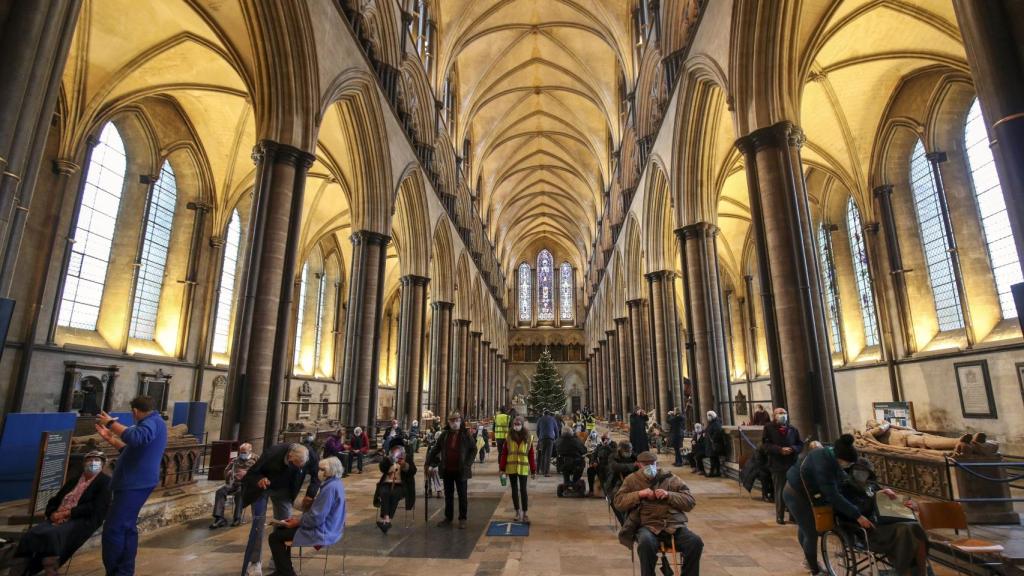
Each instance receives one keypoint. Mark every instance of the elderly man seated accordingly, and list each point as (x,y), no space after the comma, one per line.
(656,503)
(72,515)
(320,525)
(234,473)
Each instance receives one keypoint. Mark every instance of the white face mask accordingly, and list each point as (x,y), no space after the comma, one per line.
(94,467)
(783,419)
(244,455)
(861,476)
(517,427)
(651,470)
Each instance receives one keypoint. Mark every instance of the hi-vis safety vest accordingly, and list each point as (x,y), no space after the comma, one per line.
(590,423)
(518,461)
(500,426)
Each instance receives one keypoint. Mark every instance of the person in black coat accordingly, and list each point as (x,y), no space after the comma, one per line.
(452,455)
(72,516)
(783,444)
(621,464)
(638,431)
(280,472)
(676,424)
(397,482)
(570,451)
(714,443)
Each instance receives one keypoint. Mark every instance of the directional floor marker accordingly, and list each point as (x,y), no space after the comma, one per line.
(498,528)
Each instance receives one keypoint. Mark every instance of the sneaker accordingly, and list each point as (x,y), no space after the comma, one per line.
(447,522)
(462,523)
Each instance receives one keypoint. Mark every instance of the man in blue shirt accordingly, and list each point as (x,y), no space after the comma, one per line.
(136,474)
(547,431)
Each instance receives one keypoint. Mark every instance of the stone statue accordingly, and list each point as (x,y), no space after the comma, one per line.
(888,437)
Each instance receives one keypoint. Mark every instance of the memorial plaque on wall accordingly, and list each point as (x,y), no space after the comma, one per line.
(53,462)
(975,388)
(899,413)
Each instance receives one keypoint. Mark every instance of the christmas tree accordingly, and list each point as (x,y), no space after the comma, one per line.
(546,388)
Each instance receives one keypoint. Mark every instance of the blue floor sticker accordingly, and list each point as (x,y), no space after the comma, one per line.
(498,528)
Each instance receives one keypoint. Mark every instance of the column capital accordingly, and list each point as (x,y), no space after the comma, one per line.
(602,342)
(778,135)
(621,321)
(65,167)
(883,190)
(635,303)
(610,332)
(937,157)
(281,154)
(476,334)
(461,322)
(442,305)
(485,343)
(370,237)
(414,280)
(696,230)
(660,275)
(872,227)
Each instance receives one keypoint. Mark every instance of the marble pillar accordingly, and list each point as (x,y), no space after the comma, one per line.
(440,356)
(413,320)
(787,258)
(624,349)
(460,367)
(259,359)
(662,296)
(637,310)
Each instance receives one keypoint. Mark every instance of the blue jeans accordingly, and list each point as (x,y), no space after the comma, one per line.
(121,533)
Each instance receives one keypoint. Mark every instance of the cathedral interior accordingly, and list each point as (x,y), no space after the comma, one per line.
(311,213)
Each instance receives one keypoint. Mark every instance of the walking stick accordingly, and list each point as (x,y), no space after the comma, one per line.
(426,496)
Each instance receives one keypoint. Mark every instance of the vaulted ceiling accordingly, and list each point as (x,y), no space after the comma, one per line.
(537,90)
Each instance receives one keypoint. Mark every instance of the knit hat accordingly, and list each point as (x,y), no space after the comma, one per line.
(844,450)
(647,457)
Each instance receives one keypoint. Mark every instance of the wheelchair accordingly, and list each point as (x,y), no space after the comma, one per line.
(844,549)
(575,467)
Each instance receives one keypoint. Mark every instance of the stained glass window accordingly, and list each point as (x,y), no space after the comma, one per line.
(1002,253)
(525,293)
(153,260)
(933,240)
(94,232)
(226,292)
(301,307)
(545,286)
(828,273)
(565,303)
(861,274)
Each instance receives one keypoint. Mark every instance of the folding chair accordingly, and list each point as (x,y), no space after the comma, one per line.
(951,516)
(667,551)
(326,556)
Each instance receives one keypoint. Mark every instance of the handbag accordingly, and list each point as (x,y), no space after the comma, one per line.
(824,516)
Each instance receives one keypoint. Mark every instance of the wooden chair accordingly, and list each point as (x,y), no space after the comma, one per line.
(951,516)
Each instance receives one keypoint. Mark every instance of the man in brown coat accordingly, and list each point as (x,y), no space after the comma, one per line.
(656,503)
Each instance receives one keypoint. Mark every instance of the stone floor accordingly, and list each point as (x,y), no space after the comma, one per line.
(568,536)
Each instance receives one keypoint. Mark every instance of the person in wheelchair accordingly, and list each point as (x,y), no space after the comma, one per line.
(570,451)
(620,465)
(902,541)
(655,503)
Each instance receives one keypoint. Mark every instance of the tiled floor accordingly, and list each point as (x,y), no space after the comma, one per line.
(568,536)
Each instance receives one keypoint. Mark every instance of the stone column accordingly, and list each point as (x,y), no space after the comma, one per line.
(440,356)
(802,370)
(35,41)
(883,199)
(992,32)
(362,328)
(495,370)
(502,388)
(473,374)
(636,340)
(410,346)
(709,373)
(259,359)
(610,387)
(484,381)
(627,386)
(604,365)
(662,294)
(594,368)
(460,367)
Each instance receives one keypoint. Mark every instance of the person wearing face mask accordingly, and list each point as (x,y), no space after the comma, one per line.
(517,461)
(676,424)
(783,444)
(815,481)
(234,473)
(397,481)
(714,443)
(393,432)
(638,431)
(322,524)
(599,457)
(452,457)
(655,503)
(621,464)
(357,447)
(570,451)
(698,444)
(72,515)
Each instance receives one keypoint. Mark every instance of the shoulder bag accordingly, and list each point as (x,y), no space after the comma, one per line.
(824,516)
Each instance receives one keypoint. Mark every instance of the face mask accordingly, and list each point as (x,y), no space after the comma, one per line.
(94,467)
(651,470)
(456,424)
(517,427)
(861,476)
(244,456)
(783,419)
(309,439)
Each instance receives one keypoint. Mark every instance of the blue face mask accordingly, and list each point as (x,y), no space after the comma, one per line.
(651,470)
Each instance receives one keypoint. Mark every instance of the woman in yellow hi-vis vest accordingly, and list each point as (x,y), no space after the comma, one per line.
(517,462)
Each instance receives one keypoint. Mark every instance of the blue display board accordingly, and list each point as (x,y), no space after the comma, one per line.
(191,414)
(498,528)
(19,449)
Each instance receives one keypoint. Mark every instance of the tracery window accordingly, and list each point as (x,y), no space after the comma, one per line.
(565,292)
(153,259)
(545,286)
(861,274)
(226,292)
(300,316)
(318,322)
(933,239)
(828,273)
(995,223)
(525,293)
(94,231)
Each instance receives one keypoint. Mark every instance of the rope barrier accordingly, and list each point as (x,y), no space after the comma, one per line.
(967,469)
(746,439)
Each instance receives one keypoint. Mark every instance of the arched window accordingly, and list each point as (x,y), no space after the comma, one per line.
(301,311)
(565,303)
(861,274)
(1002,252)
(545,286)
(94,233)
(525,293)
(318,325)
(933,240)
(153,259)
(226,292)
(828,273)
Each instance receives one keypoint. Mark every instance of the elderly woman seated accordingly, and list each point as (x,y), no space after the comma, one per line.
(901,539)
(320,525)
(72,515)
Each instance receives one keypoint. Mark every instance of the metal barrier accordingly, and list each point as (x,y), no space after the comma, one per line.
(979,469)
